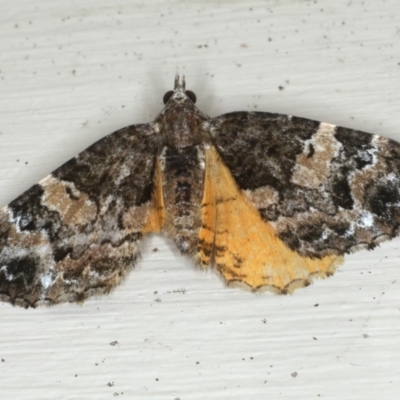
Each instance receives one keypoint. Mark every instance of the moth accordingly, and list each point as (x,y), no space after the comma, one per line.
(270,201)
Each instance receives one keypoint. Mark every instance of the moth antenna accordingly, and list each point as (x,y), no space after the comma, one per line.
(179,85)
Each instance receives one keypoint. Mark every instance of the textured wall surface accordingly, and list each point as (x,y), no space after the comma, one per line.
(72,72)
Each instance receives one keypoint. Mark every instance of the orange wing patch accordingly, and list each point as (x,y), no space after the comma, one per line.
(246,249)
(156,212)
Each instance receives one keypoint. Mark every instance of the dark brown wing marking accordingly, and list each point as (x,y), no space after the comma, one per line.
(325,189)
(77,232)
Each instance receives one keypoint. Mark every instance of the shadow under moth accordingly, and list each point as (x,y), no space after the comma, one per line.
(269,200)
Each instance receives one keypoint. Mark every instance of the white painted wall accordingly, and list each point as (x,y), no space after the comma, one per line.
(74,71)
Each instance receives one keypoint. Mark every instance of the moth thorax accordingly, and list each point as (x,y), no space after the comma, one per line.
(183,132)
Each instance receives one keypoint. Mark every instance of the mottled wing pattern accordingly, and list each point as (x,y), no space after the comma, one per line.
(325,189)
(321,191)
(77,231)
(245,248)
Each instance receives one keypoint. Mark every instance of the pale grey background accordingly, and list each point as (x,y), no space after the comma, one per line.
(74,71)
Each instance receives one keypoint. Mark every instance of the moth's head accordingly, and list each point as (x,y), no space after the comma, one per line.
(181,122)
(179,94)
